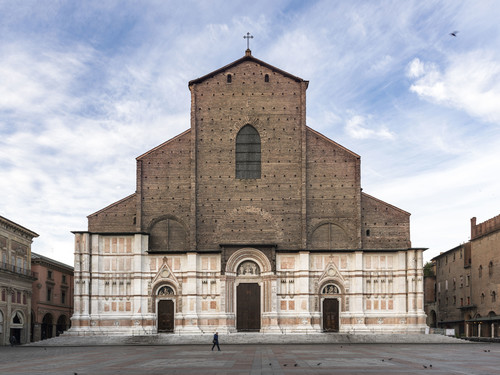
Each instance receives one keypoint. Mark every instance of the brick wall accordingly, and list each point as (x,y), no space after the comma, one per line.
(265,210)
(383,226)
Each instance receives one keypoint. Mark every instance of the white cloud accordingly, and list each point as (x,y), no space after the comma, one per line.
(87,89)
(357,128)
(415,68)
(469,82)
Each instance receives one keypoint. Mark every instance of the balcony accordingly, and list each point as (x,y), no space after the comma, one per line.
(17,270)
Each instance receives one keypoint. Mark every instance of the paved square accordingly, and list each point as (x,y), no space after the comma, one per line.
(381,359)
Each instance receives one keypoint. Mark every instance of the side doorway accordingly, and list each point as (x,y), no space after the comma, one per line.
(330,315)
(166,315)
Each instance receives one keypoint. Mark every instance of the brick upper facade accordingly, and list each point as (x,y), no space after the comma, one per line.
(308,195)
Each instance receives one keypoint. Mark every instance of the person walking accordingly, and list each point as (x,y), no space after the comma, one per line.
(216,341)
(13,340)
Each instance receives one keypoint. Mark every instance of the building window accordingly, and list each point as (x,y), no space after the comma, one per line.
(266,78)
(461,301)
(63,297)
(3,295)
(49,294)
(64,279)
(467,280)
(18,297)
(482,297)
(454,300)
(368,233)
(24,299)
(490,268)
(248,153)
(493,296)
(480,271)
(468,300)
(49,275)
(229,78)
(454,284)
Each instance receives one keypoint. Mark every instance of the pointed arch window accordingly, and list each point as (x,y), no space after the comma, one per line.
(248,158)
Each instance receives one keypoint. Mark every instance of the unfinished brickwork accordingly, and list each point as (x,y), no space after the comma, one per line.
(293,221)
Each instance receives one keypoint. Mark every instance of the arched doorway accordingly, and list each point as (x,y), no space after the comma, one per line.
(250,266)
(1,328)
(32,325)
(62,325)
(432,319)
(248,318)
(166,309)
(16,326)
(331,307)
(47,326)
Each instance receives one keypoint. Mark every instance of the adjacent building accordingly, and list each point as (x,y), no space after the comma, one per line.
(16,279)
(248,221)
(467,283)
(52,299)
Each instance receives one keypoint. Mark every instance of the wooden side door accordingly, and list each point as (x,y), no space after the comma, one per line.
(331,315)
(166,316)
(248,307)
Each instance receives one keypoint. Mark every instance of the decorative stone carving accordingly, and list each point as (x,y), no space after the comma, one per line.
(248,268)
(165,291)
(330,289)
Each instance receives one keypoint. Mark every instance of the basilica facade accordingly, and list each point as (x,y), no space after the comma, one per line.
(248,221)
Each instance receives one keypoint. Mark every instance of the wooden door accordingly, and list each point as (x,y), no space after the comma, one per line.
(166,316)
(248,307)
(331,315)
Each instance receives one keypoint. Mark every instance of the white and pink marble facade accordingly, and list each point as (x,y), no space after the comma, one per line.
(117,287)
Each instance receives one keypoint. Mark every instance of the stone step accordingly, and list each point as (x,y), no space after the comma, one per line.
(248,339)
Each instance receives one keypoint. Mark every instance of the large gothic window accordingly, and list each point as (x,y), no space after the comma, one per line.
(248,153)
(167,234)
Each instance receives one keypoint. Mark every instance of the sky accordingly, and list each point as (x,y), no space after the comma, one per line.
(87,86)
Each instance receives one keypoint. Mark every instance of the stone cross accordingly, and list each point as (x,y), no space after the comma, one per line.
(248,37)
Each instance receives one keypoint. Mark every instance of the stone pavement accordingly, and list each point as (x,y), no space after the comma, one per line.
(387,359)
(248,338)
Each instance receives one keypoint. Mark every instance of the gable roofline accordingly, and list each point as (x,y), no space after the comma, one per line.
(335,143)
(112,204)
(248,57)
(381,201)
(163,144)
(40,259)
(11,224)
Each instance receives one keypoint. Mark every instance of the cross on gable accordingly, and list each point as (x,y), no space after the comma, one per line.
(248,37)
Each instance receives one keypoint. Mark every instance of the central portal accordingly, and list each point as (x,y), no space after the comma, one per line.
(248,307)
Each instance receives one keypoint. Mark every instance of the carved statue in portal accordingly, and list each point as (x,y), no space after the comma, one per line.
(248,268)
(330,289)
(165,291)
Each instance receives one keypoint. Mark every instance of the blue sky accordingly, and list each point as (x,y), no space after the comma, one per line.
(85,87)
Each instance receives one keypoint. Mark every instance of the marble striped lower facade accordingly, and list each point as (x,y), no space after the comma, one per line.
(119,289)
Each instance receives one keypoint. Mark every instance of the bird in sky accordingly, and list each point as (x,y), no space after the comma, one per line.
(454,33)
